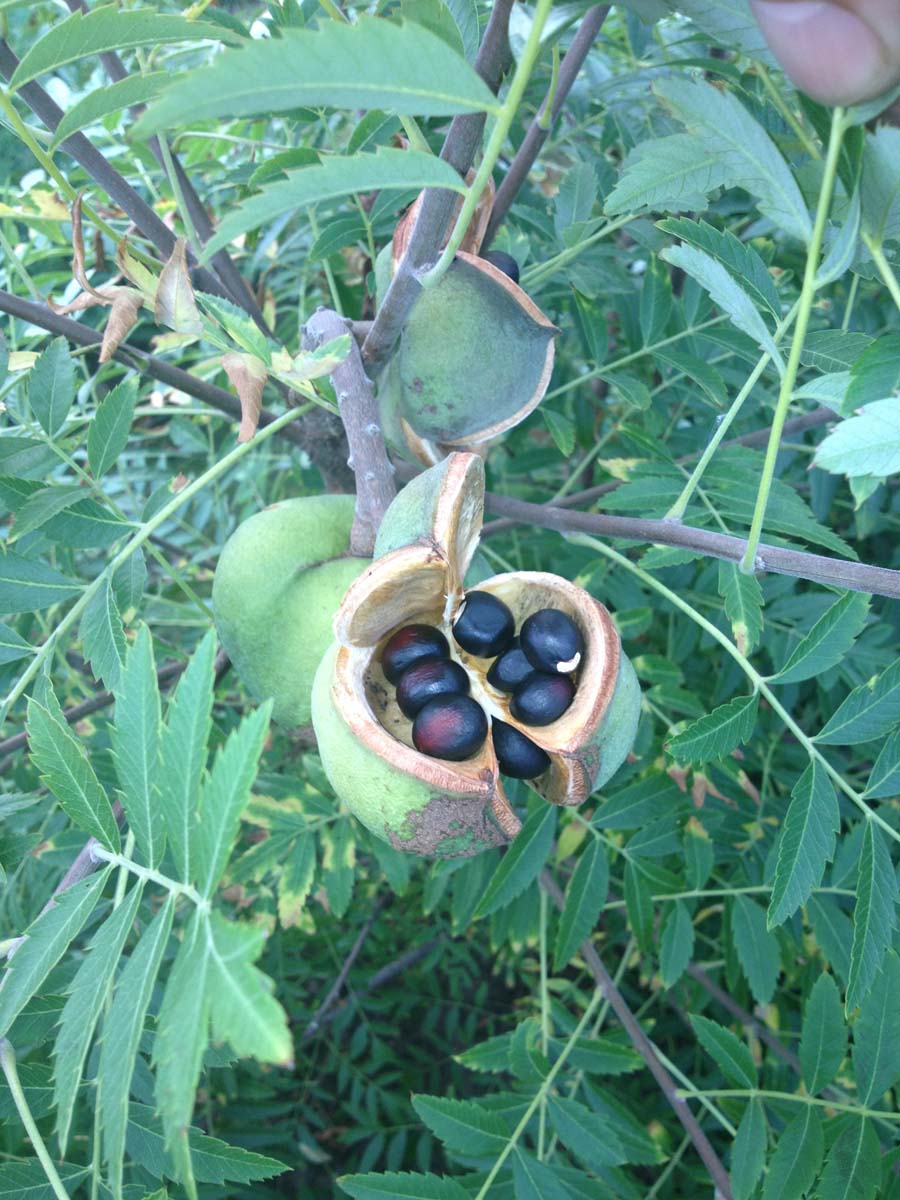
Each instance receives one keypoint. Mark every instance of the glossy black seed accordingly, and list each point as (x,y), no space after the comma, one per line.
(503,262)
(552,641)
(509,670)
(485,626)
(426,681)
(541,699)
(412,644)
(452,727)
(517,755)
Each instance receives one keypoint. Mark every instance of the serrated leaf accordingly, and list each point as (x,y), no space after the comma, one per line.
(718,733)
(676,943)
(42,506)
(522,862)
(743,600)
(462,1125)
(731,25)
(51,386)
(844,248)
(853,1169)
(242,1009)
(639,803)
(46,940)
(224,795)
(884,778)
(13,646)
(740,260)
(87,996)
(371,64)
(748,1154)
(828,641)
(28,1181)
(668,174)
(869,712)
(655,302)
(562,430)
(729,1052)
(874,915)
(401,1185)
(121,1036)
(834,349)
(639,907)
(880,186)
(588,1135)
(797,1158)
(585,897)
(27,585)
(823,1038)
(66,770)
(113,97)
(135,742)
(724,290)
(108,434)
(37,1084)
(865,444)
(102,636)
(338,865)
(807,842)
(296,879)
(875,374)
(534,1180)
(876,1047)
(757,948)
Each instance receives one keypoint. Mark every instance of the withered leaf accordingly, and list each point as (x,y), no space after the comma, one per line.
(174,304)
(247,375)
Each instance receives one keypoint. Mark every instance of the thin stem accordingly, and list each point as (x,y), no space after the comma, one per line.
(781,104)
(807,295)
(545,1017)
(150,876)
(545,117)
(175,183)
(536,274)
(796,1098)
(884,267)
(8,1062)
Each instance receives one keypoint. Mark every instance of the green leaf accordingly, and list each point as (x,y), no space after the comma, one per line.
(833,932)
(522,862)
(37,1084)
(462,1125)
(135,742)
(828,641)
(243,1011)
(108,434)
(12,646)
(740,261)
(715,735)
(639,803)
(797,1158)
(66,770)
(562,430)
(129,92)
(873,916)
(183,752)
(41,507)
(823,1038)
(676,943)
(121,1037)
(588,1135)
(534,1180)
(876,1047)
(757,949)
(338,175)
(402,1186)
(743,605)
(806,844)
(884,778)
(875,374)
(338,865)
(869,712)
(853,1169)
(834,349)
(867,444)
(371,64)
(725,291)
(29,586)
(87,997)
(667,174)
(27,1180)
(749,155)
(656,302)
(730,1053)
(224,796)
(731,25)
(298,872)
(102,636)
(51,384)
(748,1154)
(46,940)
(585,897)
(844,248)
(639,906)
(104,29)
(881,184)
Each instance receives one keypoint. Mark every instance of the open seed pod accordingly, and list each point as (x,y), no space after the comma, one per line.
(475,231)
(473,359)
(449,806)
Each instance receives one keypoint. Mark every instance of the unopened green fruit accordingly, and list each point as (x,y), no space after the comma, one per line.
(280,578)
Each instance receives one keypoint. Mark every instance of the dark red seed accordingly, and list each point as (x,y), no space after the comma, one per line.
(451,727)
(509,670)
(409,645)
(485,626)
(552,641)
(503,262)
(517,755)
(426,681)
(542,699)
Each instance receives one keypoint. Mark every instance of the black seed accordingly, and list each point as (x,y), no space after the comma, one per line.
(485,626)
(412,644)
(503,262)
(541,699)
(451,727)
(517,755)
(552,641)
(427,680)
(510,669)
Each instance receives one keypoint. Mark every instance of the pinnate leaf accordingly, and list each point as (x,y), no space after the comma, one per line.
(797,1158)
(729,1051)
(884,778)
(869,712)
(828,640)
(135,740)
(522,862)
(807,842)
(853,1169)
(757,949)
(51,386)
(717,734)
(462,1125)
(108,434)
(244,1013)
(748,1155)
(585,897)
(876,1047)
(874,915)
(823,1040)
(401,1185)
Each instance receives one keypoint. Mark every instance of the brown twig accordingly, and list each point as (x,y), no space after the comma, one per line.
(540,127)
(335,990)
(375,486)
(644,1047)
(746,1019)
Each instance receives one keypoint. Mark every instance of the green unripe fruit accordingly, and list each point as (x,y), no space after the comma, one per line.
(280,578)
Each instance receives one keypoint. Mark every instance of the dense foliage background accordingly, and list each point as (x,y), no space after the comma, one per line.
(435,1029)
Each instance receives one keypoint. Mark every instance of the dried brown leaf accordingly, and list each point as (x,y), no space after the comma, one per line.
(174,304)
(247,375)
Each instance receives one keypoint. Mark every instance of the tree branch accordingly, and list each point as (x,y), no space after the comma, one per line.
(541,126)
(335,990)
(644,1047)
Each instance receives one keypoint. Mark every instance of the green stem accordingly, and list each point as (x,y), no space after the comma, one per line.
(540,271)
(150,876)
(545,1017)
(884,267)
(135,543)
(502,125)
(677,511)
(763,1094)
(190,229)
(781,104)
(702,1097)
(804,308)
(546,117)
(8,1062)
